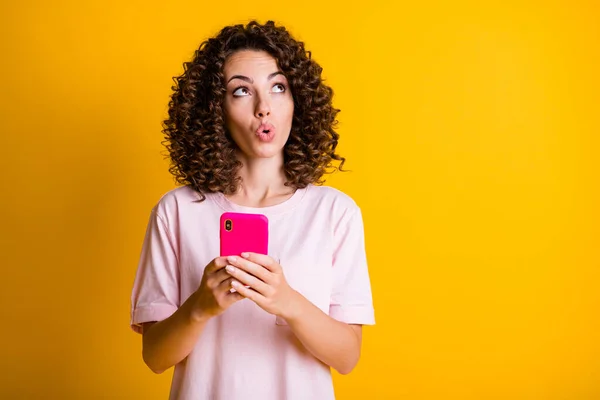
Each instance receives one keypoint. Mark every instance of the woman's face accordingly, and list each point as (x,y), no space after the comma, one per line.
(258,105)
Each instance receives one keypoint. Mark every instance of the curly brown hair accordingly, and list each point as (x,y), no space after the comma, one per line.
(201,151)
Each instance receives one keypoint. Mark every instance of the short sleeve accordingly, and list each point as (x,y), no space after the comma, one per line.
(351,298)
(155,294)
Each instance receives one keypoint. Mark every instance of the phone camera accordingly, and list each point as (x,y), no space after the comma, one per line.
(228,225)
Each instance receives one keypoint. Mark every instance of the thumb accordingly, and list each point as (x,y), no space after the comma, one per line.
(216,264)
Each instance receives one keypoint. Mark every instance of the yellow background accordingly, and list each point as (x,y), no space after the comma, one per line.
(472,132)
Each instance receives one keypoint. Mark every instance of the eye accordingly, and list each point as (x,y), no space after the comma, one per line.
(241,91)
(279,88)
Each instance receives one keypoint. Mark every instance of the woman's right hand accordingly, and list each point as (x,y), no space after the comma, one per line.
(214,295)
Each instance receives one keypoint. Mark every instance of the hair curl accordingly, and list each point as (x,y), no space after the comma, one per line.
(201,151)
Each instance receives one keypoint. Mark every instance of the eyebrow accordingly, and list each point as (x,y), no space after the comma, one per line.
(250,80)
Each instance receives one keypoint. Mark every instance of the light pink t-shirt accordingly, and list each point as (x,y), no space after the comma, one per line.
(247,353)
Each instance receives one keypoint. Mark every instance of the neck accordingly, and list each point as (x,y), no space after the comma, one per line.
(263,181)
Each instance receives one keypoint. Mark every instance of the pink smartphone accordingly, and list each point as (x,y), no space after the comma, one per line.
(242,232)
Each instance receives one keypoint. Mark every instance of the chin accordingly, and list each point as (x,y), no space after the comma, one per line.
(267,150)
(268,153)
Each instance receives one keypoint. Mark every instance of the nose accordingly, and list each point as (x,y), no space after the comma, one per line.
(263,108)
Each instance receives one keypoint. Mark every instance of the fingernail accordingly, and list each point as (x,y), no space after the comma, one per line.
(229,268)
(235,284)
(245,255)
(232,259)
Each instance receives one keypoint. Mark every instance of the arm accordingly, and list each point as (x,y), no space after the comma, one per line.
(169,341)
(332,341)
(335,343)
(156,297)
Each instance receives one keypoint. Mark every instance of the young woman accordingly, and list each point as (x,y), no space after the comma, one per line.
(251,129)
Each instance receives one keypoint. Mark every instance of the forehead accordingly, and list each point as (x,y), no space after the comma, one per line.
(248,62)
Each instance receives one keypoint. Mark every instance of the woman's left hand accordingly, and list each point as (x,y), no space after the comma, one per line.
(268,287)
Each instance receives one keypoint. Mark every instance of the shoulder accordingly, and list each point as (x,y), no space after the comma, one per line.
(337,205)
(334,208)
(177,200)
(332,197)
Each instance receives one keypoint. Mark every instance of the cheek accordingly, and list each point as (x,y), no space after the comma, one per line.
(232,117)
(287,109)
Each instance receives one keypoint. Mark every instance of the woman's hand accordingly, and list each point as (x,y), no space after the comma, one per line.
(267,285)
(214,294)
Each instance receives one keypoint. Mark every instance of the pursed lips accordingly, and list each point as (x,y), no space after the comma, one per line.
(265,128)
